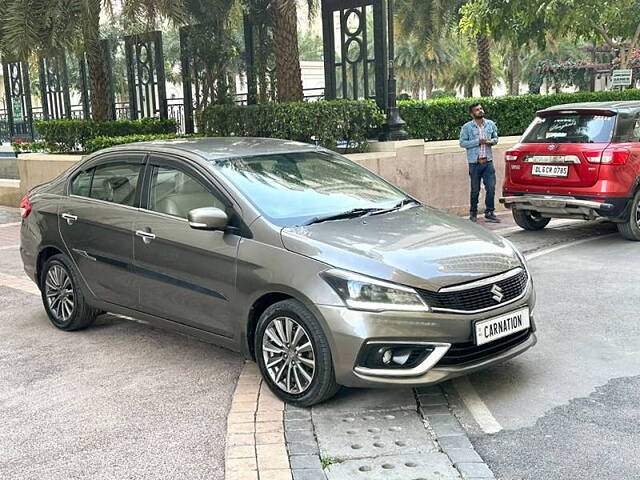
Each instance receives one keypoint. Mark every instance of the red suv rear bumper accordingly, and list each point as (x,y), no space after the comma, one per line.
(569,206)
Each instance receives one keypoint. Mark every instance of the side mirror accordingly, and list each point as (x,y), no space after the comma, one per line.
(208,218)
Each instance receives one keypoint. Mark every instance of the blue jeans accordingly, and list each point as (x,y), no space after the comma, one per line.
(483,173)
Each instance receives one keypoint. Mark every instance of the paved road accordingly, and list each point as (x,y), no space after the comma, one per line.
(119,400)
(569,407)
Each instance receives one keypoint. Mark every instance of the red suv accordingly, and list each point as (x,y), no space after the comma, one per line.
(577,161)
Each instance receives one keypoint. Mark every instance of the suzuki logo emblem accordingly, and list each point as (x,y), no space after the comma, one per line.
(497,293)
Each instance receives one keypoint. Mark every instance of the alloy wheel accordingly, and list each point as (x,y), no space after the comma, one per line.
(288,355)
(59,293)
(638,215)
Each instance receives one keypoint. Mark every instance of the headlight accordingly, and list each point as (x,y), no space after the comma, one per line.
(523,260)
(364,293)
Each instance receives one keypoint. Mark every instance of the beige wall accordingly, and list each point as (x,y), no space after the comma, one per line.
(435,172)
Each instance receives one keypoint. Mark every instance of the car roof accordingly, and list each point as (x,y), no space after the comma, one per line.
(216,148)
(611,106)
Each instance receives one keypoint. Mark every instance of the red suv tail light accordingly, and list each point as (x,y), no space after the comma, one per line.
(511,155)
(611,156)
(25,207)
(616,156)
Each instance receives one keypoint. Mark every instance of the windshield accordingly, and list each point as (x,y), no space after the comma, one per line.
(296,188)
(570,128)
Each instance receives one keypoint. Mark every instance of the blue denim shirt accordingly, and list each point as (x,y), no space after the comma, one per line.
(470,139)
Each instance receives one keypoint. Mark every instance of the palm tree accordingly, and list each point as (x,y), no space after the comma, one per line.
(462,71)
(282,16)
(433,18)
(40,26)
(418,64)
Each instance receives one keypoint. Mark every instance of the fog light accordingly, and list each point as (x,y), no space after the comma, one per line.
(387,356)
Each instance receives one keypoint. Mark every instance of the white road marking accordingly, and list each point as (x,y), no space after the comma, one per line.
(477,408)
(10,247)
(4,225)
(481,414)
(547,251)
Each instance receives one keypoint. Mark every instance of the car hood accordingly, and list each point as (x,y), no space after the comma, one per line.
(421,247)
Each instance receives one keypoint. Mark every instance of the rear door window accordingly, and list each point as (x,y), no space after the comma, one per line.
(116,183)
(570,128)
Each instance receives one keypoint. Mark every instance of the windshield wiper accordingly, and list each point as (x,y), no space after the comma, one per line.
(397,206)
(356,212)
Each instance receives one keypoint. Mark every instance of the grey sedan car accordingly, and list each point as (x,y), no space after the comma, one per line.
(307,263)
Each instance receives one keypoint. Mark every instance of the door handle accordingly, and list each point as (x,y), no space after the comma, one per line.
(146,236)
(71,219)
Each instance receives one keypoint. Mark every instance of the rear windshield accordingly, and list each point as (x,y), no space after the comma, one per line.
(570,128)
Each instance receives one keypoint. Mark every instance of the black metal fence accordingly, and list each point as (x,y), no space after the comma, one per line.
(146,87)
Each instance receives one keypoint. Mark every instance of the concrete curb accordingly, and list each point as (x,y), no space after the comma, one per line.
(450,436)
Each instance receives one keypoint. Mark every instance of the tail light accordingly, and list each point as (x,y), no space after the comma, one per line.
(616,156)
(25,207)
(511,155)
(611,156)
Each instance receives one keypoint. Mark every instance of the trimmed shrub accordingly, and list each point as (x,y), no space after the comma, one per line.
(98,143)
(334,124)
(442,119)
(72,135)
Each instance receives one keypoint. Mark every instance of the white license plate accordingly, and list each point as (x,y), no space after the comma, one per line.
(550,170)
(502,326)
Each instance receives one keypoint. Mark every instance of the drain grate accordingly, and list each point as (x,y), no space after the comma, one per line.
(372,434)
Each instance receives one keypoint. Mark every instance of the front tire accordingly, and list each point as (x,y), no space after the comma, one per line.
(61,295)
(631,228)
(293,355)
(529,220)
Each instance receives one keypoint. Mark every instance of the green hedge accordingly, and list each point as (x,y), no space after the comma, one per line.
(442,119)
(72,135)
(331,123)
(98,143)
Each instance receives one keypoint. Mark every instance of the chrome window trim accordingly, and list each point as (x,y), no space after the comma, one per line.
(439,350)
(104,202)
(482,282)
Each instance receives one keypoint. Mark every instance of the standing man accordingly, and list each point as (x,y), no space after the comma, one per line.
(477,137)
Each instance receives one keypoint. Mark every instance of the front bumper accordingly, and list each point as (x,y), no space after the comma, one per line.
(350,330)
(566,206)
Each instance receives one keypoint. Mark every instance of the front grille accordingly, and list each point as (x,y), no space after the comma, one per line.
(478,298)
(461,353)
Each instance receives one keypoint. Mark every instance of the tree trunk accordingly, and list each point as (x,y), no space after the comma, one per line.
(484,66)
(285,35)
(99,75)
(468,90)
(514,74)
(429,85)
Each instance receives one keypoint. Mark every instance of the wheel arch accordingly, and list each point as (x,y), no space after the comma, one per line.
(263,301)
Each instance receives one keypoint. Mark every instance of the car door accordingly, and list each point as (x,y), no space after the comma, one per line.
(185,275)
(96,221)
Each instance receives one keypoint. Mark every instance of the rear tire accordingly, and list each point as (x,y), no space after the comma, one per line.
(529,220)
(291,341)
(62,298)
(631,228)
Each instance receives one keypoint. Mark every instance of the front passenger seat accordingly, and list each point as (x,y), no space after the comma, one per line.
(189,194)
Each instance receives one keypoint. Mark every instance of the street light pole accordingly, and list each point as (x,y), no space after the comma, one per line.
(394,129)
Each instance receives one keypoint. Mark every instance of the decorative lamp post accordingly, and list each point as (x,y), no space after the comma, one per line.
(394,129)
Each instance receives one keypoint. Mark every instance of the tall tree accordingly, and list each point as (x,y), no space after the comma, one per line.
(285,36)
(430,18)
(39,26)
